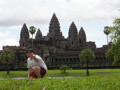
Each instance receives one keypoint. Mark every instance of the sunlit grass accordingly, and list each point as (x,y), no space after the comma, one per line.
(82,83)
(3,74)
(99,79)
(57,73)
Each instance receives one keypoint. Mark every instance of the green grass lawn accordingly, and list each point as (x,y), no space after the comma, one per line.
(99,79)
(57,73)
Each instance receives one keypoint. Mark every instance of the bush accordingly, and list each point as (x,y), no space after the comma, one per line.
(64,68)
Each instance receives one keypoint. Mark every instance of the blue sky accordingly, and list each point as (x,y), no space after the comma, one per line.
(92,15)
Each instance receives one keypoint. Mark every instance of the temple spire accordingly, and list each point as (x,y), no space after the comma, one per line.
(54,29)
(82,37)
(24,36)
(38,35)
(73,35)
(72,31)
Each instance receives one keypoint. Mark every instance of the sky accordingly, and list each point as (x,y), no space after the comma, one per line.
(92,15)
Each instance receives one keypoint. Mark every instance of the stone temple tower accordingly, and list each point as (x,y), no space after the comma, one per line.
(54,29)
(73,35)
(38,36)
(82,37)
(24,36)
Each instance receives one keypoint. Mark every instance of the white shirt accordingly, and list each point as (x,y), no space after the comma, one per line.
(32,62)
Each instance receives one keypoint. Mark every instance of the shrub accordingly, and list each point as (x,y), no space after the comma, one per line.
(64,68)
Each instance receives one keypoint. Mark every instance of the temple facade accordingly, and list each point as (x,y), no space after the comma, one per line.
(55,49)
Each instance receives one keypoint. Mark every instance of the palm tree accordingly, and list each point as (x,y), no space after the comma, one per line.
(86,56)
(32,31)
(107,32)
(6,57)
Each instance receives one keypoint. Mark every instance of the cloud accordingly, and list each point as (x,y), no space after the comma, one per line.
(15,12)
(9,37)
(92,15)
(9,42)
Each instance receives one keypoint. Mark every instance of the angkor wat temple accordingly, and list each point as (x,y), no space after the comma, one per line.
(57,50)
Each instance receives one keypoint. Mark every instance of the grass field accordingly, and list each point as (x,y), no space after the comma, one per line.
(99,79)
(57,73)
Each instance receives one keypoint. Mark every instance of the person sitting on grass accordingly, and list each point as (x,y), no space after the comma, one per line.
(35,64)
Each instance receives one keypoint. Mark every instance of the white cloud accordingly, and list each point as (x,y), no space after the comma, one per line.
(13,13)
(40,11)
(9,42)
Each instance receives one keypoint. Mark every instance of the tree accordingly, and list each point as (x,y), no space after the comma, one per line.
(64,68)
(6,57)
(107,32)
(115,39)
(109,54)
(32,31)
(86,56)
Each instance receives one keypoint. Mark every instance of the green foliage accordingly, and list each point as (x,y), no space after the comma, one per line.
(64,68)
(101,79)
(115,39)
(7,56)
(109,54)
(32,30)
(116,60)
(86,55)
(106,30)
